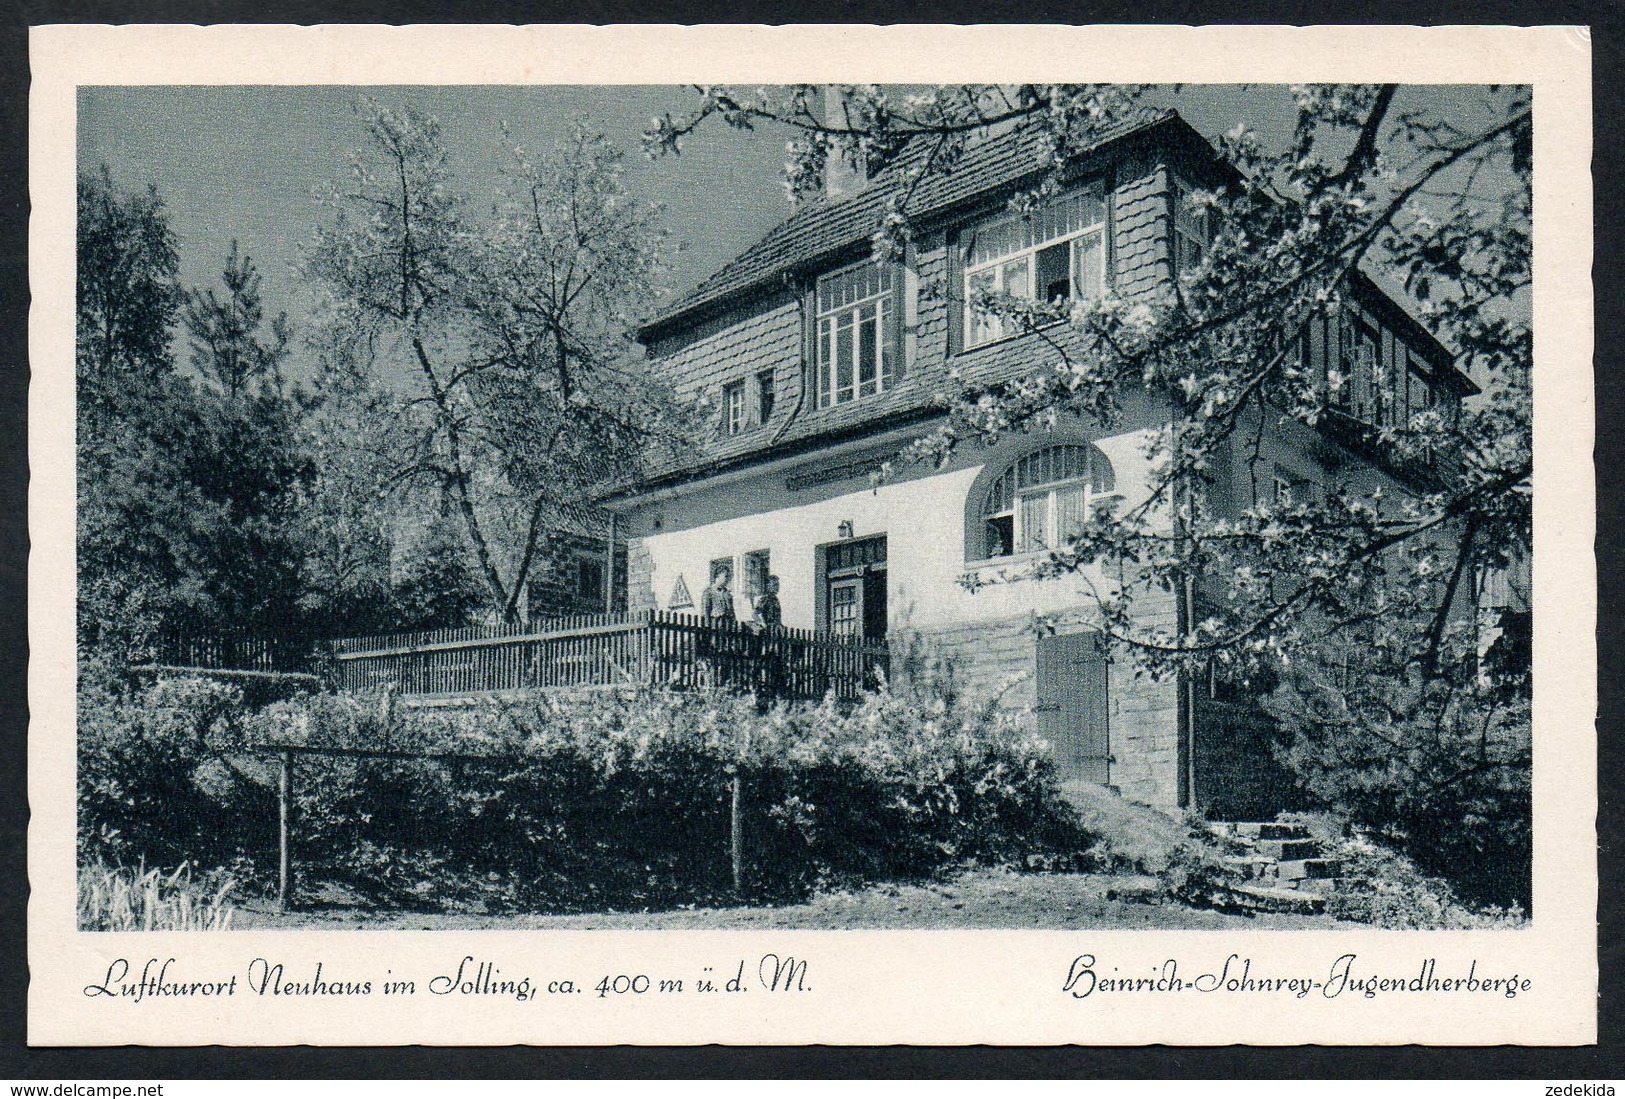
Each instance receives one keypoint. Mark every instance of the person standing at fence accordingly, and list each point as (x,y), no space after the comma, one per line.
(767,616)
(765,611)
(717,604)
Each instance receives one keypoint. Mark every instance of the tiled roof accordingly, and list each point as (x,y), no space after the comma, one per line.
(823,227)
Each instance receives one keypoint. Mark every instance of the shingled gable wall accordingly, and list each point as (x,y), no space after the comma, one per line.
(764,330)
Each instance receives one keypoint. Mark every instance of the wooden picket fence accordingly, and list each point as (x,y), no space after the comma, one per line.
(269,655)
(656,648)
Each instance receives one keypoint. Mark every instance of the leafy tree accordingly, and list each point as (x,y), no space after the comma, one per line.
(127,296)
(1432,193)
(135,507)
(346,586)
(503,341)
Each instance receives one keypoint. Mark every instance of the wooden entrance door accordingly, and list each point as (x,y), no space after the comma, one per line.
(846,607)
(1071,706)
(854,574)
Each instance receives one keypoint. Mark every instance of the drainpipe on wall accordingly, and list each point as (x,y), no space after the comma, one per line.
(1185,614)
(806,368)
(609,569)
(1187,703)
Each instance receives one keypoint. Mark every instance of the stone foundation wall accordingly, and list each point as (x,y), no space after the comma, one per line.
(1000,657)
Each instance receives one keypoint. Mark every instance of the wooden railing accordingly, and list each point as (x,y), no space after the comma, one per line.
(659,648)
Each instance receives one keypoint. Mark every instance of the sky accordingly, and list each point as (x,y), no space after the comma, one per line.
(246,163)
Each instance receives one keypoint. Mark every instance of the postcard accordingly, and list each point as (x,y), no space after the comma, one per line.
(811,534)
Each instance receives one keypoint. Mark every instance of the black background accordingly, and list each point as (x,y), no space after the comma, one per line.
(1603,1062)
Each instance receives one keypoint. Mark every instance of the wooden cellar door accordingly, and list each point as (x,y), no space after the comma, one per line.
(1071,706)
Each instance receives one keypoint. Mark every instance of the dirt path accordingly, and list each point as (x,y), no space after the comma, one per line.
(979,899)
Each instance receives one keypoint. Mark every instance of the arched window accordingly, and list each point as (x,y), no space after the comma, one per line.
(1043,500)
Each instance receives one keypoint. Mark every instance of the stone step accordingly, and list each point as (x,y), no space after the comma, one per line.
(1264,898)
(1288,849)
(1270,830)
(1251,866)
(1293,869)
(1144,890)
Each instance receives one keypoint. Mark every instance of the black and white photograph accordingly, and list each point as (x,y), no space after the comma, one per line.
(754,507)
(1035,506)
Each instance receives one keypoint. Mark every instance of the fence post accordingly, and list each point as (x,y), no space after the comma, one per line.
(386,714)
(736,813)
(284,797)
(736,832)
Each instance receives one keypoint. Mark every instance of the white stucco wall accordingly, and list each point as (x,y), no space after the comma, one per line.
(922,515)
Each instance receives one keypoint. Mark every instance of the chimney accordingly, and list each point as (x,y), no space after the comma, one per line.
(841,176)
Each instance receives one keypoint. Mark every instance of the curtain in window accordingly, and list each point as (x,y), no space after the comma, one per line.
(1059,219)
(1070,510)
(1045,496)
(1089,261)
(857,333)
(1034,523)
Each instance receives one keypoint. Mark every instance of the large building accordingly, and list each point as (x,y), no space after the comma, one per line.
(821,364)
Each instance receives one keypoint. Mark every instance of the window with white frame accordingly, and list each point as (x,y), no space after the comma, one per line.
(1042,501)
(733,404)
(1056,254)
(858,324)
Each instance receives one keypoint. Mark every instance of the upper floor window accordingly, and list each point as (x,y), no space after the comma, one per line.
(747,404)
(764,396)
(858,324)
(733,405)
(1289,488)
(1043,500)
(1364,368)
(1056,254)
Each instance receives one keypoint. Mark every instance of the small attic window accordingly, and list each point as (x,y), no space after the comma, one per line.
(733,403)
(1193,230)
(859,322)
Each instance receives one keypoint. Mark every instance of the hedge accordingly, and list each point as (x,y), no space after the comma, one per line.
(580,802)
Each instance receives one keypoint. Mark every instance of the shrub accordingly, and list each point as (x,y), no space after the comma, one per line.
(581,802)
(124,899)
(614,799)
(1439,770)
(142,764)
(1380,886)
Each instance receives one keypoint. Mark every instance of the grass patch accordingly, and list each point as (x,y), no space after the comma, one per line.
(121,898)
